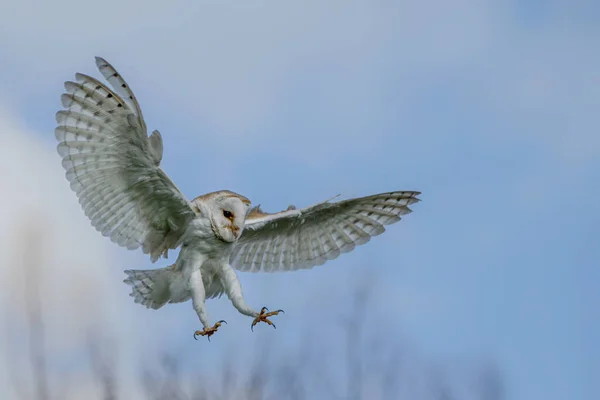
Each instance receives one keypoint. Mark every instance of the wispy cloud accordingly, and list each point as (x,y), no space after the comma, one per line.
(54,262)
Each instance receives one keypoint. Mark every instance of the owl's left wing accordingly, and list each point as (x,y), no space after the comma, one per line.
(295,239)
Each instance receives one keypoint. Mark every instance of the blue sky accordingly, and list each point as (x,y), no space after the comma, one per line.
(489,108)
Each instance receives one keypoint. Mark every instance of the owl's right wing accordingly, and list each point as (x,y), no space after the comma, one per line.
(306,237)
(114,167)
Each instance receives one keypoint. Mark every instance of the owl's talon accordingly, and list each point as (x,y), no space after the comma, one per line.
(264,317)
(208,332)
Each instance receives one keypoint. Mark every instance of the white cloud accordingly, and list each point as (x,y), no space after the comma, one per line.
(42,235)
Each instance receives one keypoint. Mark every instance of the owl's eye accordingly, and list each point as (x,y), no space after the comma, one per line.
(227,214)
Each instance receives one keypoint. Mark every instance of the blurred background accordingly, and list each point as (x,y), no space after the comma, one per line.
(489,290)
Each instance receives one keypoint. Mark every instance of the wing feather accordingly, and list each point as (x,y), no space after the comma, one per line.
(120,86)
(113,166)
(295,239)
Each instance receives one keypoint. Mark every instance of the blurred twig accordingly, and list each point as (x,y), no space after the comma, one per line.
(368,369)
(354,328)
(102,355)
(31,262)
(489,383)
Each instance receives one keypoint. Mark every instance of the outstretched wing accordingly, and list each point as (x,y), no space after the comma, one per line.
(295,239)
(113,166)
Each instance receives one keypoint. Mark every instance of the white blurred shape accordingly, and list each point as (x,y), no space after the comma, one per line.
(50,250)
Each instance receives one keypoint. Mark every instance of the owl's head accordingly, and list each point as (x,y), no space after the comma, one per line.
(227,212)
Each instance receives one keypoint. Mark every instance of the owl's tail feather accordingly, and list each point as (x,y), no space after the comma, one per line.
(151,287)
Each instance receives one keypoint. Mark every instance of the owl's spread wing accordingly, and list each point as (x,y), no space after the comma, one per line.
(295,239)
(113,166)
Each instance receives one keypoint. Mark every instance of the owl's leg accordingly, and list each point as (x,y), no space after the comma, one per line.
(198,297)
(233,288)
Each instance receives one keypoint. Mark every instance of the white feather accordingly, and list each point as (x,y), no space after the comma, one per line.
(113,166)
(296,239)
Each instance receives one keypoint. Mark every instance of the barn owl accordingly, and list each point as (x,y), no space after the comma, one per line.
(113,166)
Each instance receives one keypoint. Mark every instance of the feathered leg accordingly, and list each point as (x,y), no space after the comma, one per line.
(233,288)
(198,298)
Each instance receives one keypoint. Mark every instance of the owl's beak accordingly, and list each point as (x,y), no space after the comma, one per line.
(235,230)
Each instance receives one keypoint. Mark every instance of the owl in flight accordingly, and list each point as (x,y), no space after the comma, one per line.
(113,166)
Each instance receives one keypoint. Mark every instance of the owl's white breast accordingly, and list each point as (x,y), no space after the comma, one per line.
(201,249)
(199,237)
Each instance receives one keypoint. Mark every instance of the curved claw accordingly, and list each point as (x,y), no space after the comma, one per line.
(263,317)
(208,332)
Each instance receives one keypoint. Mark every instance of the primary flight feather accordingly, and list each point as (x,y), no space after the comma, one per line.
(113,166)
